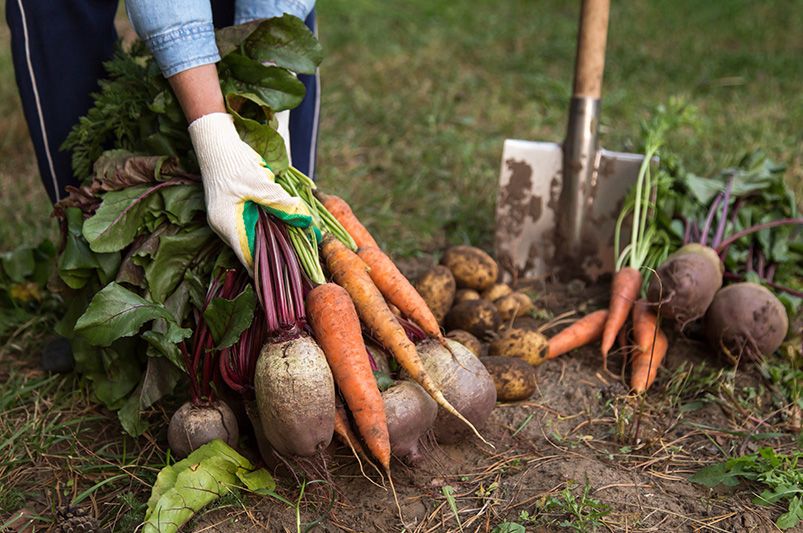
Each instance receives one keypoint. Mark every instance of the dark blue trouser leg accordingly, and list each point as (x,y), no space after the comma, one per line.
(304,120)
(58,49)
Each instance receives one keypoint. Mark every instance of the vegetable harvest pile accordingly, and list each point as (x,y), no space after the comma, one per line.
(328,338)
(156,299)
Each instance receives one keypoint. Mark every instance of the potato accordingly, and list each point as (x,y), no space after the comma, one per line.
(526,344)
(513,305)
(437,287)
(478,317)
(472,268)
(466,339)
(496,291)
(464,295)
(514,378)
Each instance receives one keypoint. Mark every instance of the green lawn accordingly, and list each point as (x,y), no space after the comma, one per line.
(418,98)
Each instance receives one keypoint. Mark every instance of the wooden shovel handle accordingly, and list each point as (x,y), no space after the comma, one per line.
(591,39)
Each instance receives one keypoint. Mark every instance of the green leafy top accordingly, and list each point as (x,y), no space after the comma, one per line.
(782,476)
(184,488)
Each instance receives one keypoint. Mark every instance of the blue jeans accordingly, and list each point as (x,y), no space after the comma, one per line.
(58,49)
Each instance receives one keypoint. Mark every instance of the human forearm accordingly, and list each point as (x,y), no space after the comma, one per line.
(198,91)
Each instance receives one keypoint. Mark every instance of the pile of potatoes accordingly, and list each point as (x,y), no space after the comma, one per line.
(486,316)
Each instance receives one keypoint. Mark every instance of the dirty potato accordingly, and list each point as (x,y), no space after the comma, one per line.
(496,291)
(514,379)
(472,268)
(466,339)
(513,305)
(525,344)
(478,317)
(437,287)
(464,295)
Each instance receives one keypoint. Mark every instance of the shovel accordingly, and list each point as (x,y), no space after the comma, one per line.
(557,205)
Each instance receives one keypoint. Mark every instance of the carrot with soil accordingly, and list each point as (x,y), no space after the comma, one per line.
(585,330)
(350,272)
(343,213)
(630,260)
(651,344)
(398,290)
(337,328)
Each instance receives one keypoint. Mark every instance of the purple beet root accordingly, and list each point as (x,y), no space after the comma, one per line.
(746,319)
(410,413)
(686,283)
(192,426)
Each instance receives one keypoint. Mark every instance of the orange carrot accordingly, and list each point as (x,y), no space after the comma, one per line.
(651,347)
(349,271)
(346,434)
(337,329)
(624,291)
(343,213)
(585,330)
(398,290)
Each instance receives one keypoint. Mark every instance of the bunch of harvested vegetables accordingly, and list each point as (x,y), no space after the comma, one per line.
(147,274)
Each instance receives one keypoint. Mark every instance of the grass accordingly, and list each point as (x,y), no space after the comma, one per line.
(418,98)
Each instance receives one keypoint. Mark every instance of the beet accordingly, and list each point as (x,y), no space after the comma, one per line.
(410,413)
(686,283)
(746,319)
(295,395)
(192,426)
(465,383)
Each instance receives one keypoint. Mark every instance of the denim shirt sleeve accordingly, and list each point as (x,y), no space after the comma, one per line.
(248,10)
(181,35)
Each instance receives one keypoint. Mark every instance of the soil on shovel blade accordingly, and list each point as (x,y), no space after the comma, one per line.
(579,434)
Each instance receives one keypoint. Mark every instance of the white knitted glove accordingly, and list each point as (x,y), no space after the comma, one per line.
(283,118)
(234,174)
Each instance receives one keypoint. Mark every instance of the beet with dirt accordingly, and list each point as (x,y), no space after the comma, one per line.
(686,283)
(295,396)
(194,425)
(410,413)
(746,319)
(465,383)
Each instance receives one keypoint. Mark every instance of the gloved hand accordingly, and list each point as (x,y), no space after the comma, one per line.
(235,178)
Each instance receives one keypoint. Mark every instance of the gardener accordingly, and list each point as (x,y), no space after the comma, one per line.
(58,50)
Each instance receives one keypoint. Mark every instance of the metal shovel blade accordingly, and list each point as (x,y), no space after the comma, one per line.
(530,181)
